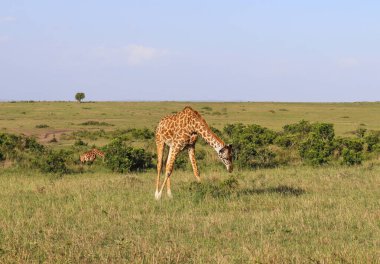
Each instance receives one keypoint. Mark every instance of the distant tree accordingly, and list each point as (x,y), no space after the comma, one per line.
(79,97)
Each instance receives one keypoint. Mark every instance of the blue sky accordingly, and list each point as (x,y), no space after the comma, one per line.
(190,50)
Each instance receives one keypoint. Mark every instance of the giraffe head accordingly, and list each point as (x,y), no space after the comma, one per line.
(225,155)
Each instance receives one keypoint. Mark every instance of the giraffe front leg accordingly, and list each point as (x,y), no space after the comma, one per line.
(160,151)
(168,171)
(193,161)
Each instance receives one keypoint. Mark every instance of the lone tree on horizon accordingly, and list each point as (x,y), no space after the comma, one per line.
(79,97)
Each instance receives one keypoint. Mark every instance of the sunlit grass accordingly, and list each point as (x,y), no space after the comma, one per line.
(23,117)
(278,215)
(293,214)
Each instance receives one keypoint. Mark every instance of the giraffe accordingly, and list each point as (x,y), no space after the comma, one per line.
(90,156)
(180,131)
(99,153)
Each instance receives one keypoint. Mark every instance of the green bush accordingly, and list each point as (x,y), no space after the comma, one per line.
(372,140)
(354,144)
(95,123)
(302,127)
(316,143)
(28,153)
(315,151)
(264,158)
(80,142)
(255,134)
(32,145)
(200,154)
(244,154)
(53,162)
(122,158)
(351,157)
(317,148)
(231,129)
(350,150)
(249,145)
(254,147)
(182,160)
(293,134)
(324,131)
(285,140)
(360,132)
(207,108)
(42,126)
(15,147)
(216,131)
(144,133)
(9,143)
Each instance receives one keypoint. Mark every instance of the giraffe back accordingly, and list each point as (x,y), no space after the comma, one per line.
(181,127)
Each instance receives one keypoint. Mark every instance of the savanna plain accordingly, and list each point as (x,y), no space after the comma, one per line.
(296,213)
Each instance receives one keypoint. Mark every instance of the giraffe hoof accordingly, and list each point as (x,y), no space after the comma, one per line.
(157,195)
(170,195)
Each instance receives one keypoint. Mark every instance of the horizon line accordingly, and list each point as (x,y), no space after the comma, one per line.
(185,101)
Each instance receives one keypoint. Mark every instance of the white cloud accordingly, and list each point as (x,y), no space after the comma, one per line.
(131,54)
(138,54)
(7,18)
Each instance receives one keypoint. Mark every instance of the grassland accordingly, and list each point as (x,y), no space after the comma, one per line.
(23,117)
(294,214)
(297,215)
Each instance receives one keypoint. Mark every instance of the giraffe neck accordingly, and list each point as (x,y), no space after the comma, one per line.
(98,152)
(206,133)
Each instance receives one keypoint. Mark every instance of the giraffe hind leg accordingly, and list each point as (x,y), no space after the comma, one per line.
(160,151)
(169,191)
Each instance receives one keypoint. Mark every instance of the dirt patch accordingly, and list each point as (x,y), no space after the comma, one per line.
(48,136)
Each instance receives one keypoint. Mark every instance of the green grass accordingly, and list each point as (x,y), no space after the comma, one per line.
(296,214)
(300,214)
(23,117)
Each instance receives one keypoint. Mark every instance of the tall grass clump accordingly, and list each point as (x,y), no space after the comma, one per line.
(214,189)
